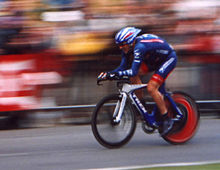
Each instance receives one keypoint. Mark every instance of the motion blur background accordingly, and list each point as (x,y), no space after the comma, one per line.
(52,50)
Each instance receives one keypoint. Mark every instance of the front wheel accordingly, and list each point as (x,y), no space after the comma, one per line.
(108,133)
(186,128)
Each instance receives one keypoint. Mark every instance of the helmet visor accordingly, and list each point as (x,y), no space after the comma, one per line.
(122,44)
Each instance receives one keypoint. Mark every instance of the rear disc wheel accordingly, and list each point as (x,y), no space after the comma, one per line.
(184,129)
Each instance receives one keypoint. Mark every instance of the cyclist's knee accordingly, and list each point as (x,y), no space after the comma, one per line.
(152,87)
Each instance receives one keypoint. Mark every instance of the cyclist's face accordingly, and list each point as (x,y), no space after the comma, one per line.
(125,48)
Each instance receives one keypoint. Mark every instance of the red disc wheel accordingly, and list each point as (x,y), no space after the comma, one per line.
(185,129)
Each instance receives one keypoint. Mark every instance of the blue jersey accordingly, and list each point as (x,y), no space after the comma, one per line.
(150,49)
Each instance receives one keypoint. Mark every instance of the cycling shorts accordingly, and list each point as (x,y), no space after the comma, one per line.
(165,68)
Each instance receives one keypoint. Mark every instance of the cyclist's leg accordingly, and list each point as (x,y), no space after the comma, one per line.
(153,90)
(158,79)
(137,80)
(155,83)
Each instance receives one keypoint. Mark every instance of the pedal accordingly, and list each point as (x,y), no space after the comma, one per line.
(147,129)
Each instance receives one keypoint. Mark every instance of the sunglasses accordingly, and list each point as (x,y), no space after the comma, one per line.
(122,44)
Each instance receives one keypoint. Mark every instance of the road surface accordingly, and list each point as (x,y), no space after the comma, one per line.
(74,147)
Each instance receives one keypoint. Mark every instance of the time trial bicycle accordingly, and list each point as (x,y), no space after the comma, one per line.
(115,116)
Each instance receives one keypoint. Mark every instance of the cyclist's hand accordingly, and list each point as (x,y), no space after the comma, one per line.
(112,76)
(101,77)
(107,76)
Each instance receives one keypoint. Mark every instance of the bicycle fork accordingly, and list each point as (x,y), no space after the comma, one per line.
(119,108)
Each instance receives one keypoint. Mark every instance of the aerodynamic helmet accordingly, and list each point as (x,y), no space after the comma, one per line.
(126,35)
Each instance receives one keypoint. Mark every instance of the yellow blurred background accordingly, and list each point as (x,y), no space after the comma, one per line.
(75,39)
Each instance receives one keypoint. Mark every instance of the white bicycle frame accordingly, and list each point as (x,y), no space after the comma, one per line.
(127,91)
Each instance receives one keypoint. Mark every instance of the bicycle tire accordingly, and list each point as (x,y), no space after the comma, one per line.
(106,133)
(190,122)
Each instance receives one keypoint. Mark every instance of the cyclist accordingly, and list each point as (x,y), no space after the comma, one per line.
(148,53)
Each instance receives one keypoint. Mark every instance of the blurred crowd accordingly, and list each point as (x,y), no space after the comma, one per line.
(74,31)
(81,27)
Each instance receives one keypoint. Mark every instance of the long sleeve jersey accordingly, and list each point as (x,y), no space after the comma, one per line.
(150,49)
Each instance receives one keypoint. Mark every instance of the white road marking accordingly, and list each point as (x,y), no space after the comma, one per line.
(13,154)
(159,165)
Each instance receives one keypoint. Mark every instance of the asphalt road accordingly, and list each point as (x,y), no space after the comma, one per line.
(74,147)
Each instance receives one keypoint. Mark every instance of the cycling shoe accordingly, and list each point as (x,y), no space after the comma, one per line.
(167,126)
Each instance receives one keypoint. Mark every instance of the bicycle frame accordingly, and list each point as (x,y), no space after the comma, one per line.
(128,91)
(116,131)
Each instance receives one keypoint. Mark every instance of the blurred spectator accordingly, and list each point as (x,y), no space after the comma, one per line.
(31,39)
(80,32)
(11,24)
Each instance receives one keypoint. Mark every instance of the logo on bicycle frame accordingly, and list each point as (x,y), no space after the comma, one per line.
(137,101)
